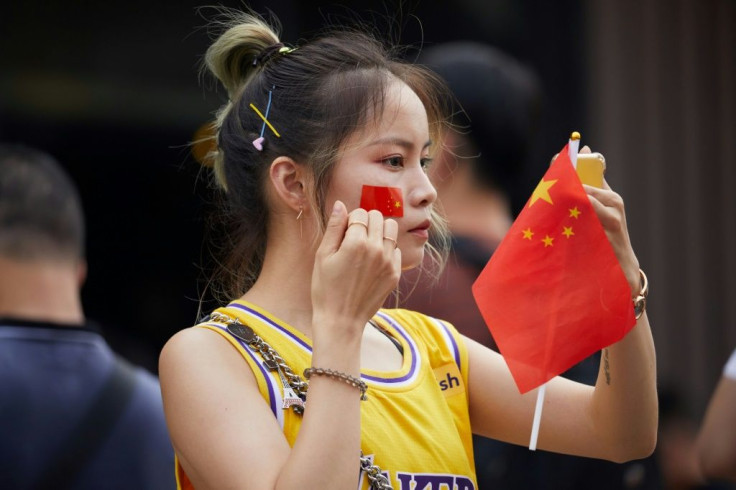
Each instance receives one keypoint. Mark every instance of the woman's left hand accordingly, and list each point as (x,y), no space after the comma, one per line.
(609,206)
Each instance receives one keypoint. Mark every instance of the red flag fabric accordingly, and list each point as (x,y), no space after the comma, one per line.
(553,292)
(388,200)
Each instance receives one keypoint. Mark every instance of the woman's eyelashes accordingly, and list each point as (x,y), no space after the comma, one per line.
(398,161)
(393,161)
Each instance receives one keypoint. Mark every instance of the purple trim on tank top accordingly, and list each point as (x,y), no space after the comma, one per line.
(273,324)
(309,349)
(411,348)
(455,349)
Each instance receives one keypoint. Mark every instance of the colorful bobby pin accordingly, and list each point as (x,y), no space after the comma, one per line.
(258,142)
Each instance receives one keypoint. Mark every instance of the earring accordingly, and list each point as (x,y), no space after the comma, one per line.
(299,219)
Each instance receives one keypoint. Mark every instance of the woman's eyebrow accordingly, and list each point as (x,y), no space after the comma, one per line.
(398,142)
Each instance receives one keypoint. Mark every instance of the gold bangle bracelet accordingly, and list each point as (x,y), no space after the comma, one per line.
(640,302)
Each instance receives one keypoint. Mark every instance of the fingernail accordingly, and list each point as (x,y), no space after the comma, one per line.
(335,208)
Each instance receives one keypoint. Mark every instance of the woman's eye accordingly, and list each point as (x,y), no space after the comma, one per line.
(426,163)
(394,161)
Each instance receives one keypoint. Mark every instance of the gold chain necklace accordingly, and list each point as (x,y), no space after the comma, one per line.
(295,388)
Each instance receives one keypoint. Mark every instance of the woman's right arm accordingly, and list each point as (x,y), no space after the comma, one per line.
(226,436)
(224,432)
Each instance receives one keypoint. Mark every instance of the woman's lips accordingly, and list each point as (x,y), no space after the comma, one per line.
(422,230)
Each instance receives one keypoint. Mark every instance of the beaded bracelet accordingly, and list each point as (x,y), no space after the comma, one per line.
(352,381)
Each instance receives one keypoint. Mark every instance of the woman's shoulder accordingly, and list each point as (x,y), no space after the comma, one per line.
(191,340)
(194,348)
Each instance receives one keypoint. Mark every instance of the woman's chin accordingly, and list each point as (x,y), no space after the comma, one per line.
(411,260)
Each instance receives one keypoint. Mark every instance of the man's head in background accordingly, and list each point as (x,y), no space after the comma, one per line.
(42,237)
(41,216)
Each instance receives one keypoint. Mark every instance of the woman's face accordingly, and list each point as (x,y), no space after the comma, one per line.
(392,152)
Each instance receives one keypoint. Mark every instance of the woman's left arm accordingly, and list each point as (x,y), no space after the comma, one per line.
(617,418)
(626,389)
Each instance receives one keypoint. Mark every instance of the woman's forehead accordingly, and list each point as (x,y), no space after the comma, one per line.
(399,112)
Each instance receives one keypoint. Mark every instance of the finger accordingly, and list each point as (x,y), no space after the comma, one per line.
(335,230)
(357,223)
(375,225)
(609,217)
(585,149)
(390,233)
(396,263)
(607,197)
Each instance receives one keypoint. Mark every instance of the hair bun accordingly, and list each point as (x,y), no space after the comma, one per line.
(234,56)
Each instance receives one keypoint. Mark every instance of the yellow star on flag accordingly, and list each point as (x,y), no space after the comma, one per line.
(528,233)
(547,241)
(397,204)
(567,231)
(574,212)
(542,192)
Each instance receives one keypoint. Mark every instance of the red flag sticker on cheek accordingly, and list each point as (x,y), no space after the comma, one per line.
(387,200)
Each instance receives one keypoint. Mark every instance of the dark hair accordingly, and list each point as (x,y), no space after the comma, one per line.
(321,92)
(500,101)
(40,210)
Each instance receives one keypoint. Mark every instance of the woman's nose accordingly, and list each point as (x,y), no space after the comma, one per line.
(421,191)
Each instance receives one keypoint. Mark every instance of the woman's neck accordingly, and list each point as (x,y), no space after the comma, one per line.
(283,287)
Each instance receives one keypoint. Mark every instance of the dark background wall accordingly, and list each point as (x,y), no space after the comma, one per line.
(661,78)
(112,90)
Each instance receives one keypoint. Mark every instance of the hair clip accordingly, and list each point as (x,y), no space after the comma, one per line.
(258,142)
(269,51)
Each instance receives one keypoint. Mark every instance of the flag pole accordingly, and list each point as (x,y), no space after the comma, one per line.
(537,417)
(572,147)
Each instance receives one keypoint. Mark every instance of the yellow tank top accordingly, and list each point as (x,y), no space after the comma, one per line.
(415,424)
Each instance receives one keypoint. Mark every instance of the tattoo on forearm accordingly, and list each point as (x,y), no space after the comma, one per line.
(606,367)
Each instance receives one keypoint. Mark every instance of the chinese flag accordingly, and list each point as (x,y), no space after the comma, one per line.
(553,292)
(387,200)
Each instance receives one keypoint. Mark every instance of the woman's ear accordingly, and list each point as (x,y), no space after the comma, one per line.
(288,179)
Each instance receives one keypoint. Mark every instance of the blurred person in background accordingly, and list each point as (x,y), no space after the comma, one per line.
(72,413)
(716,443)
(676,443)
(478,177)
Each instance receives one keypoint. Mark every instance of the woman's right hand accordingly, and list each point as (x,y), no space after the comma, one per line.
(356,266)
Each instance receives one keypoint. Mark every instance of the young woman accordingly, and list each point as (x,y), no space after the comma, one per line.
(304,131)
